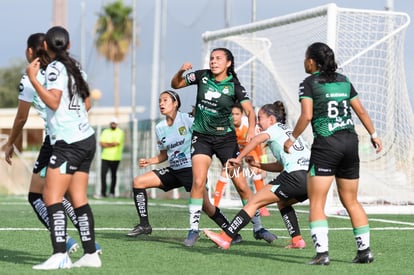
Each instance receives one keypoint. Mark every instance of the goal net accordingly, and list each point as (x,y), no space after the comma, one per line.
(369,48)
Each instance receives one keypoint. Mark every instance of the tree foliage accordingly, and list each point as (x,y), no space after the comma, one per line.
(9,85)
(114,36)
(114,29)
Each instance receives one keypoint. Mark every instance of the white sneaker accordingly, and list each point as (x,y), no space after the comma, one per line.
(89,260)
(56,261)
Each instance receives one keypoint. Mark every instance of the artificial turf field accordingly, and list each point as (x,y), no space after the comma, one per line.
(24,243)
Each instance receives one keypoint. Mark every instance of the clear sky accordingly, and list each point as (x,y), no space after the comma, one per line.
(186,21)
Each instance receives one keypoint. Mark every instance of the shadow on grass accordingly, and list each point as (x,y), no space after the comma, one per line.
(19,257)
(261,250)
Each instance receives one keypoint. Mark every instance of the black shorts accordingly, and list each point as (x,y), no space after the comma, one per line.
(172,179)
(335,155)
(74,157)
(224,147)
(43,157)
(291,185)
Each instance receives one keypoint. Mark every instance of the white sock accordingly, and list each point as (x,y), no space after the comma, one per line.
(195,207)
(319,233)
(362,237)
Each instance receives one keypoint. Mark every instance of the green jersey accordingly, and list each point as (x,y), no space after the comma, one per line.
(331,103)
(215,100)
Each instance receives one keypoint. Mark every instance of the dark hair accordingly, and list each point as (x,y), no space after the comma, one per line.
(230,57)
(324,57)
(174,96)
(36,43)
(277,109)
(238,106)
(57,39)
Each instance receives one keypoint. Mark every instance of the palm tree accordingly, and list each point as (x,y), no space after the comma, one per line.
(114,36)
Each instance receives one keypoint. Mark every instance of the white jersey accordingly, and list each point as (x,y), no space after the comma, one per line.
(299,154)
(176,139)
(70,120)
(28,93)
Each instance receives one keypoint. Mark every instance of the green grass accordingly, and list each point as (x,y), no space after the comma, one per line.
(24,243)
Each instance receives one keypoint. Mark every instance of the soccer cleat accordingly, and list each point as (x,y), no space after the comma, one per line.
(263,234)
(320,259)
(56,261)
(264,212)
(192,237)
(88,260)
(296,245)
(237,239)
(139,230)
(363,257)
(221,239)
(98,248)
(71,245)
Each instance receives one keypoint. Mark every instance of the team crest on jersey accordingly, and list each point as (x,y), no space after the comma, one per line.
(182,130)
(225,90)
(191,77)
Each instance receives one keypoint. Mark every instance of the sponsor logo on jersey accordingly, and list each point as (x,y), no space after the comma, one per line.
(178,158)
(176,144)
(191,77)
(301,89)
(340,124)
(52,76)
(53,73)
(303,161)
(163,171)
(324,170)
(21,87)
(53,159)
(212,94)
(161,141)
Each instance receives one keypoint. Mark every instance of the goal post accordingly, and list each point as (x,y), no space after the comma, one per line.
(369,48)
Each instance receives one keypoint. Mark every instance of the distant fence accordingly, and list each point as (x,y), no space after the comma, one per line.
(15,179)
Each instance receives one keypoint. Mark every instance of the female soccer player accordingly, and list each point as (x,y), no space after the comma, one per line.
(286,189)
(242,128)
(66,95)
(174,142)
(218,88)
(27,97)
(326,99)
